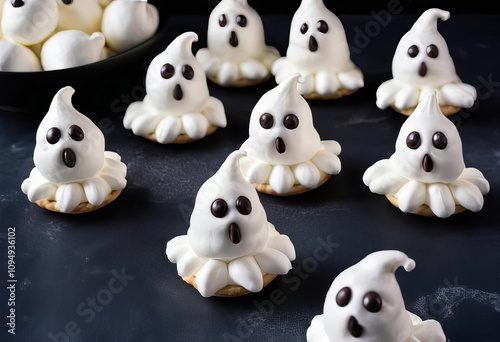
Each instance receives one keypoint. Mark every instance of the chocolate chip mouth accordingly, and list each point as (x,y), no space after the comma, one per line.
(422,70)
(178,94)
(354,328)
(234,233)
(427,163)
(69,158)
(233,39)
(280,145)
(313,44)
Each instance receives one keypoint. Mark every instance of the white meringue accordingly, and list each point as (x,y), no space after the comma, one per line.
(236,48)
(31,22)
(127,23)
(71,48)
(283,147)
(82,15)
(177,100)
(364,303)
(229,241)
(427,167)
(318,50)
(71,165)
(422,60)
(16,57)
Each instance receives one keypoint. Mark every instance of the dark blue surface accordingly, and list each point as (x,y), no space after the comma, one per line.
(104,276)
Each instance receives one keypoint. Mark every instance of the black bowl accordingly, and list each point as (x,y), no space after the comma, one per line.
(97,85)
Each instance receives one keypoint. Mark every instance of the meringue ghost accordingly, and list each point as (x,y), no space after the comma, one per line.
(318,50)
(229,241)
(73,173)
(127,23)
(236,52)
(422,60)
(82,15)
(177,107)
(71,48)
(17,57)
(285,153)
(364,303)
(427,171)
(29,22)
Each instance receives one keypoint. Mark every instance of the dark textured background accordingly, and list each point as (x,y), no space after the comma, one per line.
(63,261)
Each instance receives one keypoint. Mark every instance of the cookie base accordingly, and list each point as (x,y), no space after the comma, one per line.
(296,188)
(424,209)
(337,95)
(231,290)
(447,110)
(81,208)
(183,138)
(240,82)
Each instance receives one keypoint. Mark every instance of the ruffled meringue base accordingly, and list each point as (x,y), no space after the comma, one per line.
(81,196)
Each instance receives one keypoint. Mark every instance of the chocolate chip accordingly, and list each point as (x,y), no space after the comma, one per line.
(427,163)
(439,140)
(422,70)
(304,28)
(413,140)
(372,302)
(17,3)
(69,158)
(76,133)
(354,328)
(53,135)
(432,51)
(313,44)
(243,205)
(280,145)
(322,26)
(343,297)
(291,121)
(234,233)
(222,20)
(233,39)
(167,71)
(413,51)
(178,94)
(219,208)
(241,20)
(187,72)
(266,120)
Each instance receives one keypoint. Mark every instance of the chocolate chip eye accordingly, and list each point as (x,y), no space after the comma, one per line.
(67,2)
(167,71)
(304,28)
(439,140)
(413,140)
(343,297)
(266,120)
(219,208)
(17,3)
(53,135)
(243,205)
(372,302)
(291,121)
(76,133)
(187,72)
(241,20)
(413,51)
(222,20)
(432,51)
(322,26)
